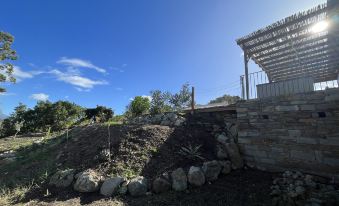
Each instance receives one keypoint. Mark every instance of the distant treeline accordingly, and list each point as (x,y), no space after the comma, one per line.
(48,116)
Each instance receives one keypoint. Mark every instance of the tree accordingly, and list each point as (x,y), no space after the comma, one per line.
(101,112)
(19,112)
(6,54)
(181,99)
(225,99)
(140,105)
(160,102)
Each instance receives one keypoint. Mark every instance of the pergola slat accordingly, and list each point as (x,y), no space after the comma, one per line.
(291,48)
(283,23)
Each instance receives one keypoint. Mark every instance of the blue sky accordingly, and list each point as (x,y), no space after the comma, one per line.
(105,52)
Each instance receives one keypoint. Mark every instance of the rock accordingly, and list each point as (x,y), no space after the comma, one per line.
(179,122)
(226,167)
(138,186)
(123,188)
(62,178)
(196,176)
(300,190)
(165,123)
(234,155)
(161,185)
(221,153)
(222,138)
(179,180)
(87,181)
(233,130)
(111,186)
(211,169)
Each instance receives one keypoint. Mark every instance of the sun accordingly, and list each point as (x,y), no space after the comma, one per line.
(320,26)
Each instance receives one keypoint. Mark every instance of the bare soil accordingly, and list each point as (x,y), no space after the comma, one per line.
(148,151)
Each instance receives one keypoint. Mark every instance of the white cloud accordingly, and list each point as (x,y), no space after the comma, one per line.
(119,89)
(7,94)
(75,62)
(80,82)
(82,90)
(40,97)
(20,75)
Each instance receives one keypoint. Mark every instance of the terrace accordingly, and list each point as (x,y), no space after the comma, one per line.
(297,54)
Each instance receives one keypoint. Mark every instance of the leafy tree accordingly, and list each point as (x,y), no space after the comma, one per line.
(101,112)
(160,102)
(181,99)
(8,127)
(19,112)
(43,117)
(6,54)
(65,114)
(225,99)
(140,105)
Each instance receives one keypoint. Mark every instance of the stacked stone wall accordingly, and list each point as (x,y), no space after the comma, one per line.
(298,132)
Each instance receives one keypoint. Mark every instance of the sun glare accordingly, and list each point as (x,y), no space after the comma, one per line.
(319,27)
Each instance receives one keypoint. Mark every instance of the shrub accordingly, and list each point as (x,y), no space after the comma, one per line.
(139,105)
(160,102)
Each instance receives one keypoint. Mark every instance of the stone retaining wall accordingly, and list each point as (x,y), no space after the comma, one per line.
(294,132)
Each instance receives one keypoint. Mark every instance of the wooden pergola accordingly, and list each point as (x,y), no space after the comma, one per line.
(302,45)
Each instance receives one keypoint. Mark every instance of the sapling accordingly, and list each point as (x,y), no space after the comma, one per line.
(18,126)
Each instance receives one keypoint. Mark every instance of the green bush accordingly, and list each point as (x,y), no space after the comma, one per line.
(139,105)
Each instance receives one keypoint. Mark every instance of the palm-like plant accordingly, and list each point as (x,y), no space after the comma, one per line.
(191,152)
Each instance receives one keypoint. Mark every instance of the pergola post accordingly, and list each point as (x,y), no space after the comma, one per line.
(246,75)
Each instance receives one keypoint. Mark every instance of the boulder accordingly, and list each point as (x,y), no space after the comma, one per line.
(222,138)
(221,153)
(234,155)
(196,176)
(123,188)
(161,185)
(137,186)
(225,167)
(211,169)
(87,181)
(179,180)
(179,122)
(111,186)
(62,178)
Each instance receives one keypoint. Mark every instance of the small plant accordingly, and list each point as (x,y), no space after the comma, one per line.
(18,126)
(191,152)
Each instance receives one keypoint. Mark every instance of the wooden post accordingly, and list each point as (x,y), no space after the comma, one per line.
(246,75)
(192,103)
(242,87)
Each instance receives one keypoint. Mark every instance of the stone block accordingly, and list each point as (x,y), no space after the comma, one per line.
(268,109)
(294,133)
(332,97)
(306,140)
(302,155)
(241,109)
(240,115)
(298,102)
(331,161)
(287,108)
(308,107)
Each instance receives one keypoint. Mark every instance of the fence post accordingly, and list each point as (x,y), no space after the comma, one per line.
(192,103)
(242,87)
